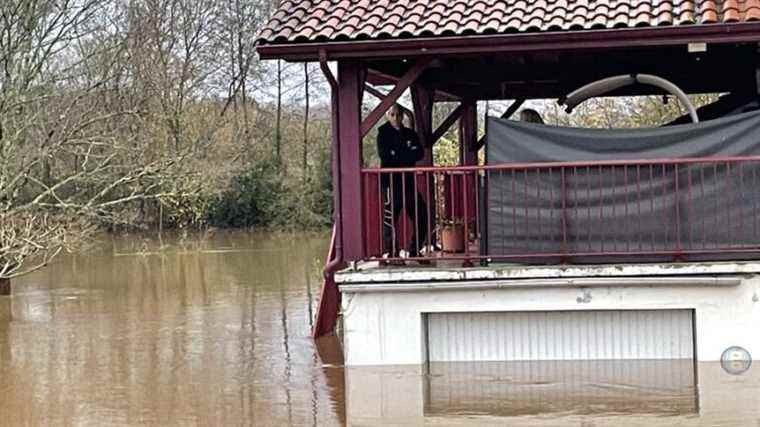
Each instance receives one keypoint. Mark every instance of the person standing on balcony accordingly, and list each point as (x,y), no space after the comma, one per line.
(399,147)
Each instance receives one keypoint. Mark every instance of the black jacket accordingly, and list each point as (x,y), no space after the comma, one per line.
(398,148)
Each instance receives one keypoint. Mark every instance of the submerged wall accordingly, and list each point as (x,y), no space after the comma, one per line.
(646,393)
(385,321)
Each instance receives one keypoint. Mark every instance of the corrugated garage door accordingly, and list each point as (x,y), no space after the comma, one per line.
(561,335)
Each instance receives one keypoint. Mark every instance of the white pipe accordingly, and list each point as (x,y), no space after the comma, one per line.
(609,84)
(672,88)
(594,89)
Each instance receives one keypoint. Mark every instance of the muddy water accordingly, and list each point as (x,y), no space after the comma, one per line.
(215,331)
(180,332)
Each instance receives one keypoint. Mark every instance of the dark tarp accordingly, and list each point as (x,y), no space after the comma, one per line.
(623,209)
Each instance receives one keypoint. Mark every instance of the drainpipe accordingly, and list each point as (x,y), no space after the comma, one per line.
(335,263)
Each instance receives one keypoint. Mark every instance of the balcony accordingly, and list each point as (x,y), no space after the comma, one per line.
(662,210)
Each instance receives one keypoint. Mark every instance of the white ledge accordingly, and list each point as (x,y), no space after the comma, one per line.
(542,283)
(369,274)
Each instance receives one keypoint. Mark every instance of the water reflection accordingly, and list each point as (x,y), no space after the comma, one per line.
(210,332)
(600,393)
(657,387)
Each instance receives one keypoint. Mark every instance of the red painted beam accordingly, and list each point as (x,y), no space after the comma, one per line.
(350,89)
(423,100)
(334,262)
(403,83)
(549,41)
(380,78)
(468,134)
(446,124)
(381,95)
(374,92)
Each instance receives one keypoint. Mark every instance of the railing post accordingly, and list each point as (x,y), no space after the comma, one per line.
(678,214)
(564,213)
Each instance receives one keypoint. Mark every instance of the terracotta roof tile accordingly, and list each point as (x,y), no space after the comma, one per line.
(333,20)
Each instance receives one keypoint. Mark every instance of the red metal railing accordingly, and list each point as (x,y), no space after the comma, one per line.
(636,210)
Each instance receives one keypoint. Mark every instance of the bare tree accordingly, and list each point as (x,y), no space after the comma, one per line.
(278,125)
(109,111)
(304,159)
(64,163)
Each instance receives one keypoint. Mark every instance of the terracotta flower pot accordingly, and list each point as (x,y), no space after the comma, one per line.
(452,238)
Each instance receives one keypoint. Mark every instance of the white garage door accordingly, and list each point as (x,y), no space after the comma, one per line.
(561,335)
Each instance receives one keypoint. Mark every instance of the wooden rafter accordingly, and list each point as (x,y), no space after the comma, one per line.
(403,83)
(381,95)
(422,101)
(446,124)
(440,94)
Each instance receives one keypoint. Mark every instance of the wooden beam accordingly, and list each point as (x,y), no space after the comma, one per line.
(513,108)
(481,142)
(507,114)
(468,134)
(403,83)
(423,100)
(381,95)
(374,91)
(350,86)
(446,124)
(385,78)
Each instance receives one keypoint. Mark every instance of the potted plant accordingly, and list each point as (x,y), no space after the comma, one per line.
(452,235)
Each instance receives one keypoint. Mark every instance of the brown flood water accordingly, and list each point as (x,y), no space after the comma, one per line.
(216,332)
(211,333)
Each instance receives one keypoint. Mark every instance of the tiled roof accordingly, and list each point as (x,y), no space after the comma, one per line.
(297,21)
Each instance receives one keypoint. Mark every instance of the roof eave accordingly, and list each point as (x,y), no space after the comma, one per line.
(518,42)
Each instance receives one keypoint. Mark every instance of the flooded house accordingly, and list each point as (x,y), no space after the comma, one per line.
(545,243)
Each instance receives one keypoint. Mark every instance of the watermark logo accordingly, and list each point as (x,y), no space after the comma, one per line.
(736,360)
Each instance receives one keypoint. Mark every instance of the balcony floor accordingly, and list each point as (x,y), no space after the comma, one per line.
(452,271)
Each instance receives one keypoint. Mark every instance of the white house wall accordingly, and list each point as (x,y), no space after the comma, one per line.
(386,327)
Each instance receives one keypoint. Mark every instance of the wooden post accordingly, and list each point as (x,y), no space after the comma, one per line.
(468,156)
(5,286)
(350,90)
(468,134)
(422,98)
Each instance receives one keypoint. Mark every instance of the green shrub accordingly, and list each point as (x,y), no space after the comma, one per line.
(251,200)
(262,196)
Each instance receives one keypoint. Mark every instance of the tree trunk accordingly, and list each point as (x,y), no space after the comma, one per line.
(5,286)
(277,136)
(305,165)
